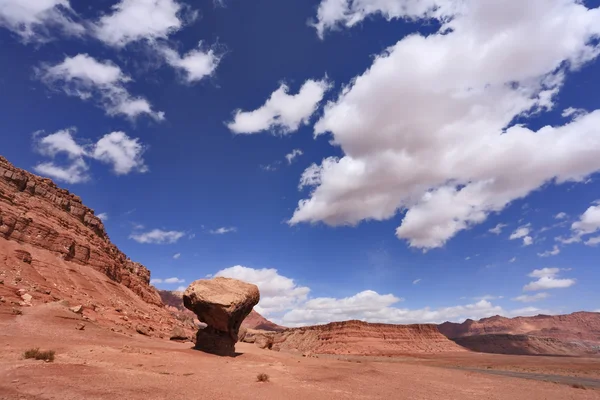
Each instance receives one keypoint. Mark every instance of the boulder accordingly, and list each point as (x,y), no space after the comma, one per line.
(222,304)
(178,334)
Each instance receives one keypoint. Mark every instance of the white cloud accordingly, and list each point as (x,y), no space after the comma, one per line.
(285,302)
(176,256)
(561,215)
(548,279)
(282,113)
(103,216)
(135,20)
(593,241)
(181,288)
(32,19)
(75,172)
(520,232)
(157,236)
(277,292)
(85,77)
(573,112)
(116,148)
(291,156)
(588,223)
(438,143)
(196,64)
(555,251)
(123,152)
(498,229)
(167,280)
(512,260)
(416,281)
(60,142)
(333,14)
(525,298)
(224,230)
(487,297)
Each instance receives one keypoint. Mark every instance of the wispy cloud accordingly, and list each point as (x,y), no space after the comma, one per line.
(223,230)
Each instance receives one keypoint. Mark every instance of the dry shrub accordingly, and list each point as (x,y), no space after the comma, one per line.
(578,386)
(36,353)
(262,377)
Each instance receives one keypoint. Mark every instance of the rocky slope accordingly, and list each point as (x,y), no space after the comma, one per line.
(573,334)
(174,302)
(53,248)
(361,338)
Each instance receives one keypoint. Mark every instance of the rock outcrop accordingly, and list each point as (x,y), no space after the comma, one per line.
(359,338)
(254,321)
(573,334)
(222,304)
(34,211)
(53,249)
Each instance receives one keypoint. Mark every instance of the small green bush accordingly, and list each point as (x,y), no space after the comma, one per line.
(36,353)
(262,377)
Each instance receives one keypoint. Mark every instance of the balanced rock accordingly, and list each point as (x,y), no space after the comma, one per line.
(222,304)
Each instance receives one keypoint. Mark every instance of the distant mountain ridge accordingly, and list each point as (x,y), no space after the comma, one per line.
(572,334)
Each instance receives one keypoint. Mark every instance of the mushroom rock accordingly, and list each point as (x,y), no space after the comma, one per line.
(222,304)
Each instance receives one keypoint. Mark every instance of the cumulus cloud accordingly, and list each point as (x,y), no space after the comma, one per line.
(282,112)
(223,230)
(290,157)
(548,279)
(288,303)
(333,14)
(74,172)
(532,298)
(116,148)
(498,229)
(522,232)
(134,20)
(440,141)
(87,78)
(555,251)
(196,64)
(157,236)
(593,241)
(588,223)
(121,151)
(33,19)
(277,292)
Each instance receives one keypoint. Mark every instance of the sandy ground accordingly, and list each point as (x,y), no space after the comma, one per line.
(96,363)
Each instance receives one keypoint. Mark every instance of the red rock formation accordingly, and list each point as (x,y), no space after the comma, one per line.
(53,248)
(174,301)
(34,211)
(576,333)
(222,304)
(362,338)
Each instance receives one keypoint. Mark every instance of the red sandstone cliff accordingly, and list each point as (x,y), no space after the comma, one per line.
(362,338)
(52,247)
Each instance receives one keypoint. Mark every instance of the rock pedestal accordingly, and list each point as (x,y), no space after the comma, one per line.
(222,304)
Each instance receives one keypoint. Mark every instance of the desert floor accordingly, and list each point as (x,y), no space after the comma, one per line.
(96,363)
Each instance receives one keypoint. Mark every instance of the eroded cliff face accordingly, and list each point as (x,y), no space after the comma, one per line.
(34,211)
(362,338)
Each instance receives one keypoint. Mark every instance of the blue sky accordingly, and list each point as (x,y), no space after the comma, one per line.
(355,159)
